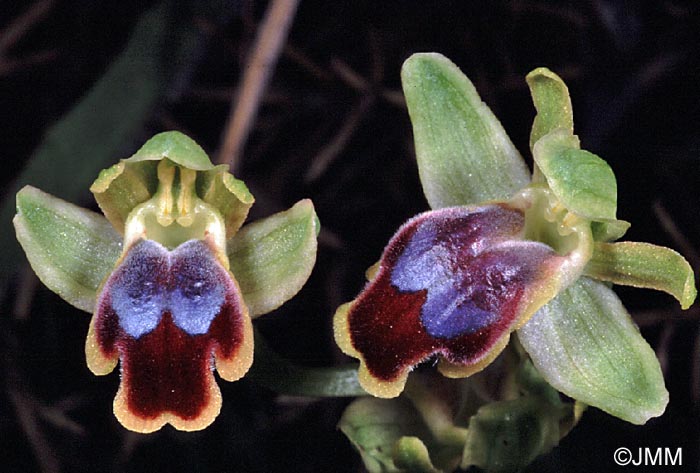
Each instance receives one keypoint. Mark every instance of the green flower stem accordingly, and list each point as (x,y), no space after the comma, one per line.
(284,377)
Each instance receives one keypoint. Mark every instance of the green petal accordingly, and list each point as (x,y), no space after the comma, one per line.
(71,249)
(120,188)
(464,154)
(644,265)
(551,98)
(273,258)
(586,345)
(177,147)
(582,181)
(376,426)
(228,195)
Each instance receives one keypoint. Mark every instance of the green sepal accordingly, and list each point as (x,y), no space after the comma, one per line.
(272,258)
(585,344)
(177,147)
(583,182)
(464,154)
(552,102)
(230,196)
(644,265)
(71,249)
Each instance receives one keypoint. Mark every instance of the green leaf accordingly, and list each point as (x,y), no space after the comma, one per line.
(177,147)
(506,436)
(551,98)
(112,114)
(585,344)
(284,377)
(272,258)
(464,154)
(71,249)
(644,265)
(582,181)
(376,426)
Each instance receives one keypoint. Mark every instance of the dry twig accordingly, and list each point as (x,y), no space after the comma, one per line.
(272,34)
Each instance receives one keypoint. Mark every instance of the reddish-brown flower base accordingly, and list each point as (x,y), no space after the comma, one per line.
(167,371)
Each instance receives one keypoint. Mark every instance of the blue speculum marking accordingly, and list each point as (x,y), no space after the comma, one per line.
(429,264)
(198,294)
(152,280)
(471,265)
(137,292)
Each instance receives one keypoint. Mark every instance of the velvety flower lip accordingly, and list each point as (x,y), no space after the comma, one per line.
(454,282)
(171,317)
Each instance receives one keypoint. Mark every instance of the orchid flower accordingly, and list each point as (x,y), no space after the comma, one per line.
(171,278)
(506,252)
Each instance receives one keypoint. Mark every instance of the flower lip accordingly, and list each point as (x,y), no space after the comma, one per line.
(170,317)
(455,282)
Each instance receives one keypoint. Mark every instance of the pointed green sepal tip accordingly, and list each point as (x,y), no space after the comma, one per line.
(583,182)
(585,344)
(71,249)
(464,154)
(272,258)
(177,147)
(644,265)
(552,102)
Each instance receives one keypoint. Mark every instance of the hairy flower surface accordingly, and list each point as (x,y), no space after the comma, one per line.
(165,301)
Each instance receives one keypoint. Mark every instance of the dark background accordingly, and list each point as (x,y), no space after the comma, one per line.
(632,69)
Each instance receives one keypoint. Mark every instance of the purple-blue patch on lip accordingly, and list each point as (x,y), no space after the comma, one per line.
(442,263)
(137,288)
(152,281)
(196,294)
(454,282)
